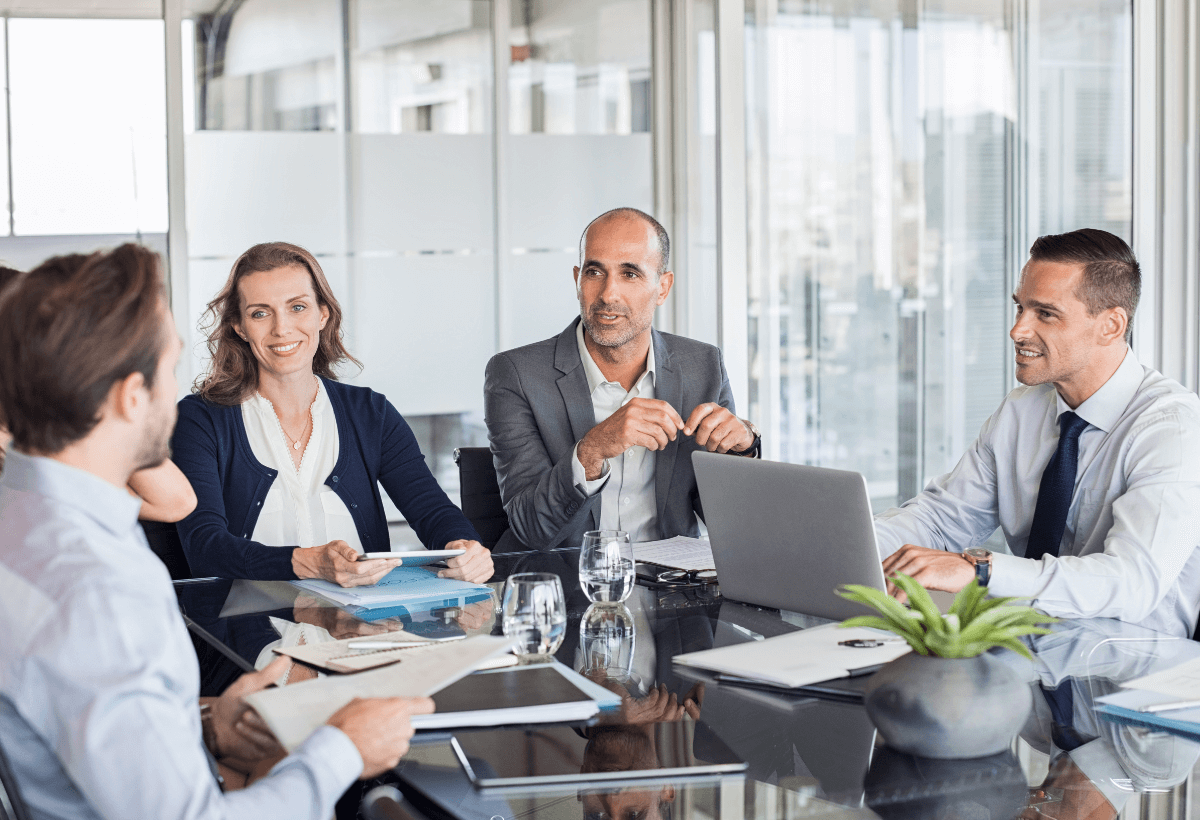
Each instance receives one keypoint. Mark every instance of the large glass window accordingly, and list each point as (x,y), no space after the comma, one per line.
(900,162)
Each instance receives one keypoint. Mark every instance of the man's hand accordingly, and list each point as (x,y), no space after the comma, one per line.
(239,732)
(649,423)
(474,566)
(718,430)
(932,569)
(338,562)
(380,729)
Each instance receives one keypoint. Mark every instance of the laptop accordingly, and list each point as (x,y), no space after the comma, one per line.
(786,536)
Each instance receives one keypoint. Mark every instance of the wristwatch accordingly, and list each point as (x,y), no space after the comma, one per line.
(981,559)
(755,448)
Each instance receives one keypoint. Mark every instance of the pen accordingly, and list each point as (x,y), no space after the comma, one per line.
(1170,707)
(382,644)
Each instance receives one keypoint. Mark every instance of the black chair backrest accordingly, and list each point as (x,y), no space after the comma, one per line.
(481,493)
(165,543)
(12,807)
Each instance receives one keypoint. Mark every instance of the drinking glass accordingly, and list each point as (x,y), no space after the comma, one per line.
(535,614)
(607,637)
(606,566)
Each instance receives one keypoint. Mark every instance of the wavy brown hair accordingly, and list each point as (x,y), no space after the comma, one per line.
(233,373)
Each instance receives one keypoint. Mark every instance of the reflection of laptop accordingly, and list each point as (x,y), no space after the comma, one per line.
(787,536)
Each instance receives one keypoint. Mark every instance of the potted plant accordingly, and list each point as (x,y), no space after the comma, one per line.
(951,697)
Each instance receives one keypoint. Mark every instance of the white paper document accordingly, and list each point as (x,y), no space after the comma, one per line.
(1181,682)
(342,656)
(294,712)
(800,658)
(679,552)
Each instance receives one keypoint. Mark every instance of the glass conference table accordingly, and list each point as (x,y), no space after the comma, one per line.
(806,756)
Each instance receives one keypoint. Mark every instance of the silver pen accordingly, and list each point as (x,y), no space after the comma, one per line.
(1172,706)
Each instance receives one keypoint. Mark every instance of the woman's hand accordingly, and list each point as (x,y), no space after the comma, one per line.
(474,566)
(338,562)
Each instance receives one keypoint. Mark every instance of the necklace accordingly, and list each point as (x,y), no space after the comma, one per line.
(296,442)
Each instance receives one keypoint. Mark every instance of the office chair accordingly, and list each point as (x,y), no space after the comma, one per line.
(481,493)
(386,803)
(12,806)
(165,543)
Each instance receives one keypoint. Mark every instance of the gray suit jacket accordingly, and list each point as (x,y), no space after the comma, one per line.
(537,407)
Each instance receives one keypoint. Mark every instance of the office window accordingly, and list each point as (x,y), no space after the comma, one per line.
(88,137)
(900,163)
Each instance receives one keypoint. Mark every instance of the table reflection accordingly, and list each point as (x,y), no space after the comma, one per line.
(1067,763)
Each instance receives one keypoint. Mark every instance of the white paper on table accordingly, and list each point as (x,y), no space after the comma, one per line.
(799,658)
(679,552)
(295,712)
(1182,681)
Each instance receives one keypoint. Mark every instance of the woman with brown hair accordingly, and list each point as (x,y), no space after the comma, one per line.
(282,454)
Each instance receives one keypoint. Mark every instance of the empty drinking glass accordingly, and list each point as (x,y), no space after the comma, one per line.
(606,566)
(535,614)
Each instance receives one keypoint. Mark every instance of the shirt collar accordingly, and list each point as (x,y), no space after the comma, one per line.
(111,507)
(594,377)
(1104,407)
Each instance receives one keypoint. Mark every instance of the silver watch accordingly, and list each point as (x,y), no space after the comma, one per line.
(981,559)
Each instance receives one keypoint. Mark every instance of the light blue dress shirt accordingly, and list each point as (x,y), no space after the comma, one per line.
(98,679)
(1129,548)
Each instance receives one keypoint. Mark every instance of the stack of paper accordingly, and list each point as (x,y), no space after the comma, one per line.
(1169,699)
(403,589)
(294,712)
(801,658)
(679,552)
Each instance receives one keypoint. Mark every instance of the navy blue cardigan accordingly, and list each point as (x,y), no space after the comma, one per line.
(376,446)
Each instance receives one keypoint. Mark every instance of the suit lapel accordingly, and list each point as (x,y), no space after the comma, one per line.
(668,387)
(572,384)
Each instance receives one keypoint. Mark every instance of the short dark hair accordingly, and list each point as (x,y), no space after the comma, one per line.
(1111,275)
(70,329)
(664,241)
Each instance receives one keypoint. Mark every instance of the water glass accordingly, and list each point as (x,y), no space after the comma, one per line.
(535,614)
(607,638)
(606,566)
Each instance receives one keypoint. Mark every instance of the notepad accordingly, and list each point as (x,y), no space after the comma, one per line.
(679,552)
(799,658)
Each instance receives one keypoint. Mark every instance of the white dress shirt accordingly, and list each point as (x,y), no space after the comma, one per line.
(98,679)
(1129,548)
(626,485)
(299,510)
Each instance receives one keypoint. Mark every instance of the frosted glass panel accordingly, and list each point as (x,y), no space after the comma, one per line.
(425,330)
(558,184)
(539,297)
(246,188)
(424,192)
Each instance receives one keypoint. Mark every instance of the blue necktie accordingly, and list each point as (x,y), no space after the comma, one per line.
(1062,710)
(1054,494)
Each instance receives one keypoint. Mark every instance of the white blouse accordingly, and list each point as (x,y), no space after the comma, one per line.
(299,510)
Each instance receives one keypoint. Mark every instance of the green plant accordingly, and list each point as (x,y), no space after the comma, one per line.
(974,624)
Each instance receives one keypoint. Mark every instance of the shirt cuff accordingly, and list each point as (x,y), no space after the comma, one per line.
(1014,577)
(579,476)
(330,748)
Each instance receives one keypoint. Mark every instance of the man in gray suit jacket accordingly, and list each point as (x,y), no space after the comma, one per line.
(587,428)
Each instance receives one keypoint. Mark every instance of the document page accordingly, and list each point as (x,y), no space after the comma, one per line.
(679,552)
(401,585)
(294,712)
(1182,681)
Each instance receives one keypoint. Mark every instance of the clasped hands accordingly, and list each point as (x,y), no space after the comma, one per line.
(338,562)
(932,569)
(653,424)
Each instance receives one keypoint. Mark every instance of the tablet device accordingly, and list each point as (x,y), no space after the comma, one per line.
(557,754)
(414,558)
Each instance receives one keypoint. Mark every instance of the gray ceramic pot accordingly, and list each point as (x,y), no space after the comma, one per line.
(948,707)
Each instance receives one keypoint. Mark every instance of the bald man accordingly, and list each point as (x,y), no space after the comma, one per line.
(595,428)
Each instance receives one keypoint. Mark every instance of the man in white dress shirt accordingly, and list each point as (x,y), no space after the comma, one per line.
(1091,469)
(585,426)
(99,685)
